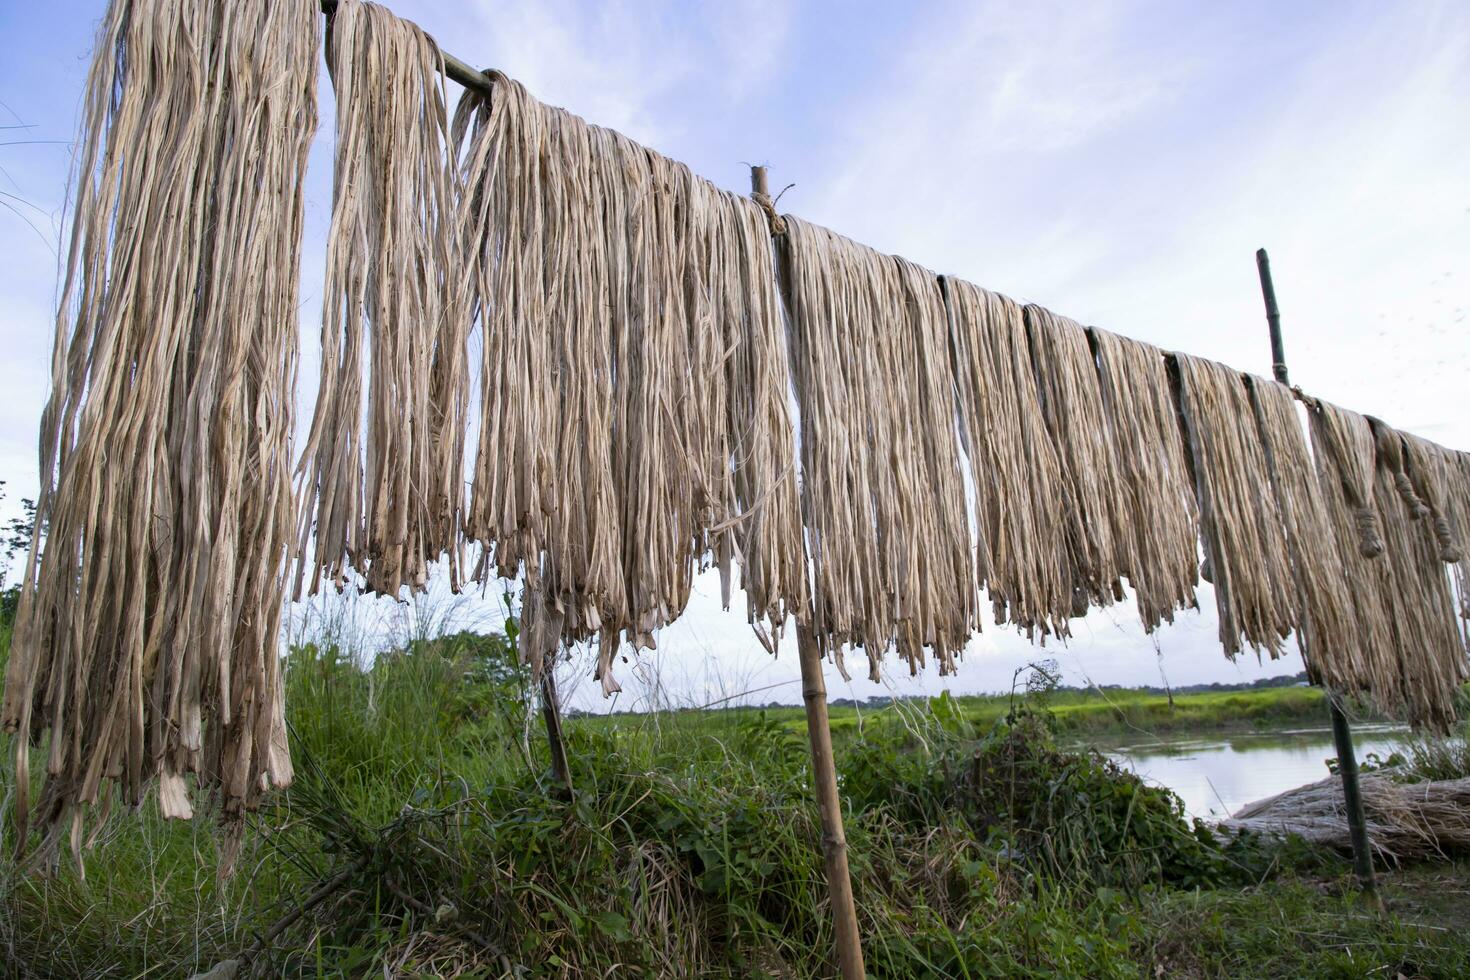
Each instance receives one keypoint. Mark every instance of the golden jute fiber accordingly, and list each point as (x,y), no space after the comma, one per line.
(1099,546)
(146,638)
(635,422)
(1406,651)
(883,494)
(1021,555)
(1431,655)
(1242,531)
(1159,517)
(382,469)
(1457,504)
(1326,627)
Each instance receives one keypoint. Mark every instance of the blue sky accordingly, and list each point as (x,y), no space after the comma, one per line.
(1118,162)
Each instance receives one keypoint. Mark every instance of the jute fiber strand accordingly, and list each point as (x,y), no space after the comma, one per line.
(635,420)
(145,643)
(382,468)
(1021,559)
(1160,515)
(1431,654)
(1097,534)
(1344,444)
(1457,503)
(1427,471)
(1364,659)
(883,494)
(1245,546)
(1405,641)
(1326,624)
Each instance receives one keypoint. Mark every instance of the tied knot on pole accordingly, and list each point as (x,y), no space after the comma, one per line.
(768,205)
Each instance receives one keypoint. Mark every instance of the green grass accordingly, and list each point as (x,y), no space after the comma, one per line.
(1106,714)
(980,848)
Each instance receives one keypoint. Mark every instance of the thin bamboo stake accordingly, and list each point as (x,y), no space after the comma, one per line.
(551,715)
(1342,733)
(819,733)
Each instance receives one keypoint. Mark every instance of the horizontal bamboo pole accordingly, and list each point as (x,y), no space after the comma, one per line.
(455,69)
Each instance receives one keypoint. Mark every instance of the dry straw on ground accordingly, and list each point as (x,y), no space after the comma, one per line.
(1153,477)
(1021,556)
(1099,545)
(382,466)
(146,641)
(1406,821)
(634,400)
(1245,546)
(883,493)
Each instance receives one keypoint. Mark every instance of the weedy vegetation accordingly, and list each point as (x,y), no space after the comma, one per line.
(426,837)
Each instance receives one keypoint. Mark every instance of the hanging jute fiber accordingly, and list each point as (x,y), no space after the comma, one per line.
(1365,660)
(1154,479)
(383,465)
(883,494)
(1245,547)
(1405,645)
(1098,543)
(1431,655)
(1021,560)
(1456,466)
(1343,443)
(146,639)
(1327,628)
(1427,470)
(635,421)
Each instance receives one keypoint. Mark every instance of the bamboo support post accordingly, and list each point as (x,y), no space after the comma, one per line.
(1342,733)
(819,733)
(551,715)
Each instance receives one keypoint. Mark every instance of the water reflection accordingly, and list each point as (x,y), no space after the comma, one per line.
(1216,777)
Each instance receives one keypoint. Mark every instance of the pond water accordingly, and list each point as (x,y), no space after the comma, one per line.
(1216,777)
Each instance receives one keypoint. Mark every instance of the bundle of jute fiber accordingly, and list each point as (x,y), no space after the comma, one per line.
(1371,650)
(1098,542)
(1427,469)
(1431,657)
(635,400)
(1343,442)
(1154,478)
(1245,546)
(382,470)
(1327,627)
(1405,642)
(145,642)
(1021,558)
(1456,468)
(883,494)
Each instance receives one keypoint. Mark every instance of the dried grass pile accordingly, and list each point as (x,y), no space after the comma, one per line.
(382,468)
(1406,821)
(1244,541)
(1097,532)
(883,494)
(1159,516)
(1020,558)
(145,642)
(635,420)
